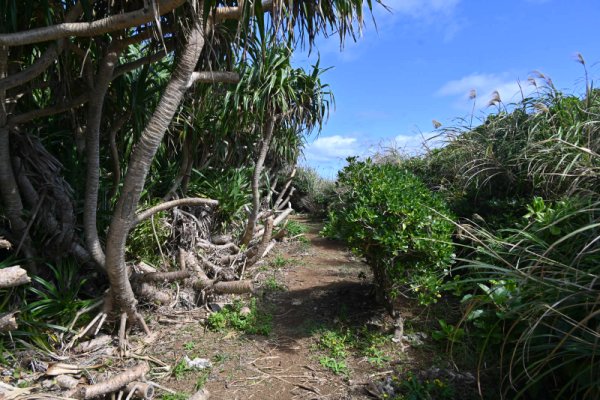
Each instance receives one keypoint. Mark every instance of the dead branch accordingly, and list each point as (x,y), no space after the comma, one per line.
(164,276)
(287,200)
(255,254)
(114,383)
(13,276)
(278,201)
(223,13)
(213,77)
(192,201)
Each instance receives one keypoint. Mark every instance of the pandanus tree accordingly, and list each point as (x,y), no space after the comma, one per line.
(61,61)
(276,99)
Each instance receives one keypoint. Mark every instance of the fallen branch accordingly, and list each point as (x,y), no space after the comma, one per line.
(114,383)
(13,276)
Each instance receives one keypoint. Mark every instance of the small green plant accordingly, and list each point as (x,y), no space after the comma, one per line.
(296,230)
(258,321)
(189,346)
(335,343)
(181,370)
(414,388)
(202,379)
(336,366)
(271,285)
(280,261)
(142,241)
(448,332)
(175,396)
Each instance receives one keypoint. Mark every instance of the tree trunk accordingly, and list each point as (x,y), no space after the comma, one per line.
(9,192)
(258,167)
(92,149)
(141,158)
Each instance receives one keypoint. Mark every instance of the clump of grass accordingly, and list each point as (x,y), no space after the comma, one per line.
(280,261)
(338,343)
(257,322)
(272,285)
(296,230)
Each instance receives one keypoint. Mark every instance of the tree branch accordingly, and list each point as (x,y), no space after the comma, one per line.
(87,29)
(223,13)
(45,112)
(192,201)
(214,77)
(41,64)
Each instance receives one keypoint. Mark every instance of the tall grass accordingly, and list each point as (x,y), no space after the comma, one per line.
(540,290)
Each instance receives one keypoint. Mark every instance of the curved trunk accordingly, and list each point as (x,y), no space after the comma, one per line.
(258,167)
(141,158)
(9,191)
(92,148)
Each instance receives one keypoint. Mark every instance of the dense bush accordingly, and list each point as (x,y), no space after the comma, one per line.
(313,193)
(388,216)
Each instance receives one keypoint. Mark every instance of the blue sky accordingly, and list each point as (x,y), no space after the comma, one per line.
(426,55)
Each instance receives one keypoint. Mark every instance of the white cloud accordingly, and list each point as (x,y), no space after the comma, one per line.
(507,85)
(332,148)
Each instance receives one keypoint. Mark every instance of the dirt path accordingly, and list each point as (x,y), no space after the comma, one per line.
(325,288)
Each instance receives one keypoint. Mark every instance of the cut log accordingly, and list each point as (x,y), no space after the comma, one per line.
(221,239)
(233,287)
(114,383)
(153,295)
(141,390)
(8,322)
(13,276)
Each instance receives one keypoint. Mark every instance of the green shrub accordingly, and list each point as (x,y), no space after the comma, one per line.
(231,187)
(144,239)
(256,322)
(313,193)
(387,215)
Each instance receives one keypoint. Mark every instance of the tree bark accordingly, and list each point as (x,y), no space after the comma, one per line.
(9,191)
(92,149)
(258,167)
(124,214)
